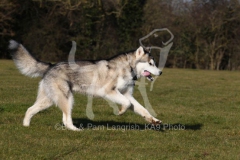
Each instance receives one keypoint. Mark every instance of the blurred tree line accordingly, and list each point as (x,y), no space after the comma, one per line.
(207,32)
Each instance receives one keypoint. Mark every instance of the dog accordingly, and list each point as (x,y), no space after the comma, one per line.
(111,79)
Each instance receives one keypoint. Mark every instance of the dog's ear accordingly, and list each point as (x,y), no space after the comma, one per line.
(139,52)
(147,50)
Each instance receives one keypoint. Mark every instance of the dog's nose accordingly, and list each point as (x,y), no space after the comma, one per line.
(160,73)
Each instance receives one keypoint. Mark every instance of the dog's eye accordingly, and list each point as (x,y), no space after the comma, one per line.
(150,63)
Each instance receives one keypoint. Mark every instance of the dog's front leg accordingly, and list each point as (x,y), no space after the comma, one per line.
(117,97)
(139,109)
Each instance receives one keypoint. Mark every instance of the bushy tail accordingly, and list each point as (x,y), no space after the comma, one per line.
(25,62)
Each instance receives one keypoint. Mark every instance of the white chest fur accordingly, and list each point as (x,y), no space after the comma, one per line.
(124,83)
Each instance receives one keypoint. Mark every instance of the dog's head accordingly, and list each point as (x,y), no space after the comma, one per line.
(146,66)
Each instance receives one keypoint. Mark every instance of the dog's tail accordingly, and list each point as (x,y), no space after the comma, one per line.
(25,62)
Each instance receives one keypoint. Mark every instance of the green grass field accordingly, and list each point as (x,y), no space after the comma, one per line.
(200,111)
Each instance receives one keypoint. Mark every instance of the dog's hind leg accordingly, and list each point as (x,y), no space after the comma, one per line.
(65,104)
(42,102)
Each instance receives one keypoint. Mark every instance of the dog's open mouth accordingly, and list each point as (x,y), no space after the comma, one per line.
(148,75)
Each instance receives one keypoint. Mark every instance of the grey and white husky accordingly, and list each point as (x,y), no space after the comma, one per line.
(110,79)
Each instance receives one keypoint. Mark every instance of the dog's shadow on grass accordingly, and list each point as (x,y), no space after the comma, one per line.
(113,125)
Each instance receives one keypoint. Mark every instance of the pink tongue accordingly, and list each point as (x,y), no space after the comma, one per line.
(146,73)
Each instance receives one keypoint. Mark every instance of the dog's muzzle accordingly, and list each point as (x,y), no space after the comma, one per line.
(150,78)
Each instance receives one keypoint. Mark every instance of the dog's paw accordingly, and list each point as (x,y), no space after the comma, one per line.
(122,111)
(153,120)
(156,121)
(26,123)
